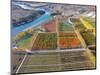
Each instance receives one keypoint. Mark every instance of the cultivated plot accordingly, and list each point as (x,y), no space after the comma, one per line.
(49,37)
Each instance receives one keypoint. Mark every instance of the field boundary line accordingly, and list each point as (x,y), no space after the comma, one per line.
(21,63)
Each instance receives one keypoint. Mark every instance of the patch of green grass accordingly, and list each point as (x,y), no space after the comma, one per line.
(65,27)
(89,38)
(25,43)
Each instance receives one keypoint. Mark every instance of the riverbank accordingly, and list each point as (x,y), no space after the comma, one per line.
(36,22)
(24,20)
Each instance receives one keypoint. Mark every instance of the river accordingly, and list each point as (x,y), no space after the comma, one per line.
(39,21)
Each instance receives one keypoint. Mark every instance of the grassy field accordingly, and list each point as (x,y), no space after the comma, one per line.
(75,20)
(78,25)
(65,27)
(89,38)
(25,43)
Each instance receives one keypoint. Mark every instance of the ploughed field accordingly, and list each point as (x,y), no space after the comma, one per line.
(48,41)
(68,40)
(45,41)
(50,26)
(45,62)
(75,60)
(41,63)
